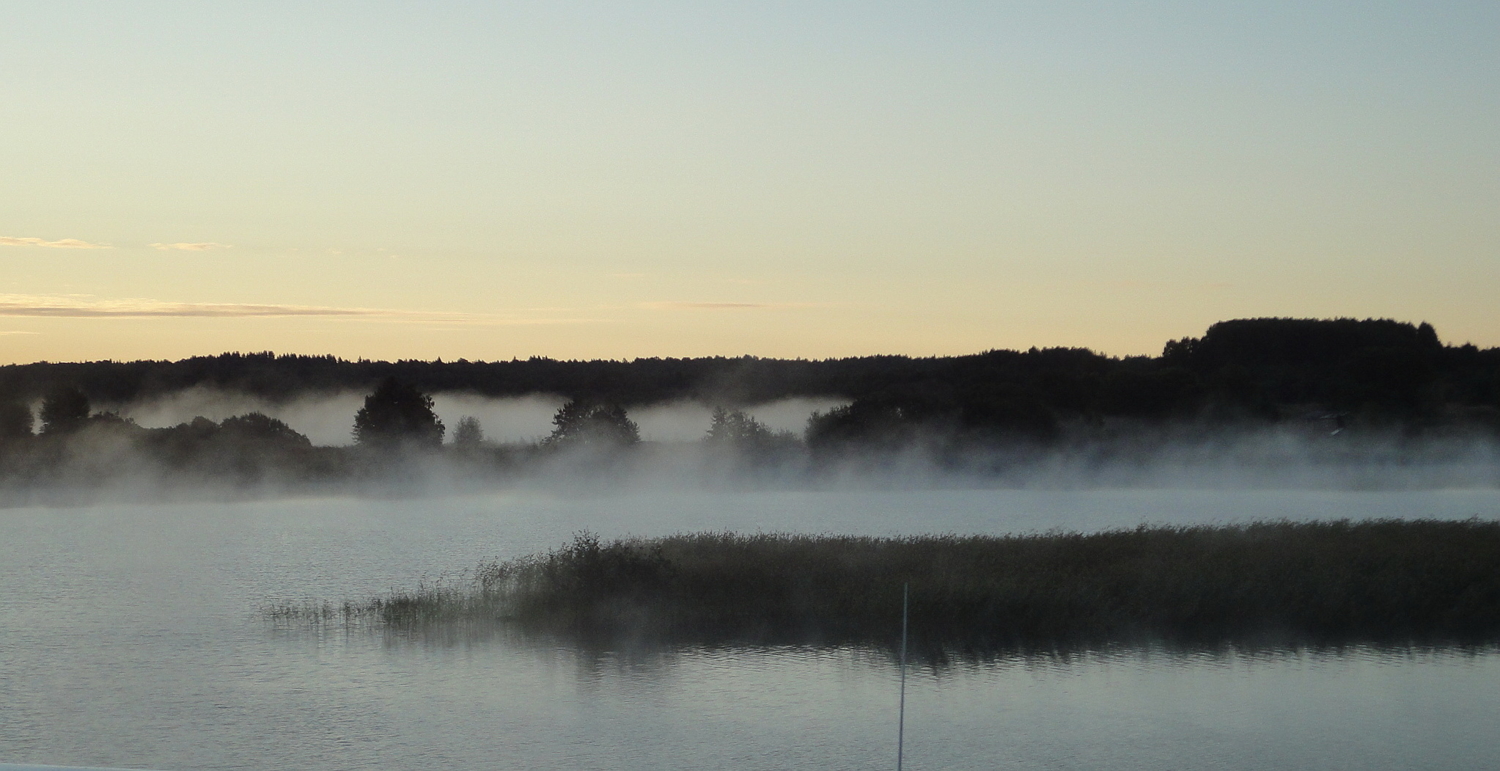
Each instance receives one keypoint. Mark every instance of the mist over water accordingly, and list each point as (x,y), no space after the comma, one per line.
(130,638)
(98,466)
(131,632)
(326,419)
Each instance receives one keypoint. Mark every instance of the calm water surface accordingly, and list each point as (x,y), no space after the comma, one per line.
(129,637)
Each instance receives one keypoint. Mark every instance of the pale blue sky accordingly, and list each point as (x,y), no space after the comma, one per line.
(800,179)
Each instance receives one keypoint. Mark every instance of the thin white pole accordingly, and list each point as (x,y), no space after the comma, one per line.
(901,713)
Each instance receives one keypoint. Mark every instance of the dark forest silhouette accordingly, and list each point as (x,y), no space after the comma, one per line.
(397,415)
(1255,368)
(1325,377)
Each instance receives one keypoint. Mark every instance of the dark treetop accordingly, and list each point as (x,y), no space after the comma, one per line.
(1254,370)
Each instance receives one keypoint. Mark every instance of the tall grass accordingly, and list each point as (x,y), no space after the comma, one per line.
(1335,582)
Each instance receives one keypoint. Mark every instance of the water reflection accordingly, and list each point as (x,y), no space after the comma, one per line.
(129,638)
(1358,706)
(652,654)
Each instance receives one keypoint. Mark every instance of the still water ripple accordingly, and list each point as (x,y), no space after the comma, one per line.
(129,638)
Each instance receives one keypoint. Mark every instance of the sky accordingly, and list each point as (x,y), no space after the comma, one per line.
(810,179)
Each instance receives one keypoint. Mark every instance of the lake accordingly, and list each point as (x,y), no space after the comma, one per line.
(129,637)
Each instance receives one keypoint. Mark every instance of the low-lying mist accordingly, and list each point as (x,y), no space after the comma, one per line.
(326,419)
(201,443)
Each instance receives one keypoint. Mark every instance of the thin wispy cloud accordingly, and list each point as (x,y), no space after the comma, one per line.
(1144,284)
(87,307)
(4,332)
(717,306)
(65,243)
(202,246)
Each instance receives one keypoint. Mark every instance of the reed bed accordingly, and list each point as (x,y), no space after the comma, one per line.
(1336,582)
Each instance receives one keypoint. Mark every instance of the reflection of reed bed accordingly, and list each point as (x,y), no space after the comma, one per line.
(1272,582)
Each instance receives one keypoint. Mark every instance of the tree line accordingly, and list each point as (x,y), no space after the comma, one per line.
(75,445)
(1342,372)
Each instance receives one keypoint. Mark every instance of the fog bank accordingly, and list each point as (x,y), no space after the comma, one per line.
(327,419)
